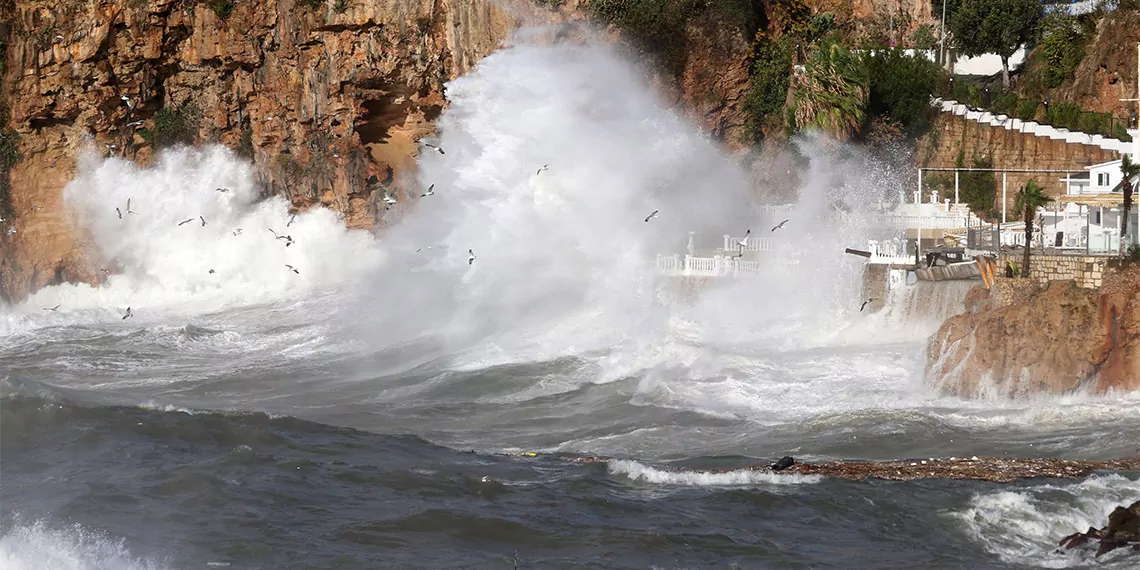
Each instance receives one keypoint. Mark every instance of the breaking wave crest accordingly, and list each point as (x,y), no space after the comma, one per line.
(1024,527)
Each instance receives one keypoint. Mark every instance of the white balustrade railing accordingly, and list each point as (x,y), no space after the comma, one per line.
(901,221)
(732,244)
(718,266)
(778,209)
(889,251)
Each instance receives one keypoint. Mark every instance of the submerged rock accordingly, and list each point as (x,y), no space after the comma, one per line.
(1123,530)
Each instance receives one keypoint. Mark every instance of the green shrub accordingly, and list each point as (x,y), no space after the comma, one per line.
(1027,109)
(340,6)
(245,144)
(1064,114)
(901,87)
(923,38)
(221,8)
(9,155)
(978,189)
(1003,103)
(9,149)
(770,74)
(1094,123)
(654,26)
(1061,49)
(173,125)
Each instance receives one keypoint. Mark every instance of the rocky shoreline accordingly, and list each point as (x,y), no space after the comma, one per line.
(994,469)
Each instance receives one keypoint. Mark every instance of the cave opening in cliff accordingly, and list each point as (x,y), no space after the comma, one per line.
(379,116)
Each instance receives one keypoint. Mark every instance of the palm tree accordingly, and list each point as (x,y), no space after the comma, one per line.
(1129,169)
(1028,200)
(831,92)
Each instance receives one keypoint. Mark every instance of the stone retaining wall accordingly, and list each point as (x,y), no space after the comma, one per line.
(1085,270)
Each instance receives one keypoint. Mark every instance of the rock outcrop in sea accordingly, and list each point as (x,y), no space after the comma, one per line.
(1022,338)
(1122,530)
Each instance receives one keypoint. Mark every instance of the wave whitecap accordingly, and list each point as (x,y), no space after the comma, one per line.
(1024,527)
(737,477)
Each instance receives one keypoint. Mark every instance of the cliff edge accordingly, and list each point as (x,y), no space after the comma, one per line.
(1022,338)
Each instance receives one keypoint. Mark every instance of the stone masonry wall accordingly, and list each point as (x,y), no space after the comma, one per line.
(1085,271)
(952,135)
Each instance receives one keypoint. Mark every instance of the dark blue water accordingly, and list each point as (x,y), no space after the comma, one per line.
(181,490)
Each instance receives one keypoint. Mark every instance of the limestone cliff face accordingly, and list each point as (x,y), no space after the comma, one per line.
(1022,338)
(1107,73)
(326,99)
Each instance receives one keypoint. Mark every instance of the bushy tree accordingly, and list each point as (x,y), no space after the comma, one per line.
(900,88)
(1061,48)
(771,71)
(996,26)
(831,92)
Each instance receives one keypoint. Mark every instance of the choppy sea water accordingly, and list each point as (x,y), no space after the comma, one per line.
(370,410)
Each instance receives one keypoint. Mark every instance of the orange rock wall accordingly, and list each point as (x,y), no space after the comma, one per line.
(1032,338)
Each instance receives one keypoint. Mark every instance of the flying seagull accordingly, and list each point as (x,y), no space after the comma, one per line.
(390,201)
(129,211)
(651,216)
(221,189)
(430,192)
(288,239)
(129,314)
(437,149)
(780,225)
(784,463)
(186,221)
(864,304)
(119,212)
(211,272)
(291,268)
(203,221)
(292,219)
(743,242)
(237,232)
(52,308)
(471,257)
(134,123)
(544,167)
(127,100)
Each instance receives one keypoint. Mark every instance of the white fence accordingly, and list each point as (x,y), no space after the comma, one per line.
(717,266)
(902,221)
(889,251)
(732,244)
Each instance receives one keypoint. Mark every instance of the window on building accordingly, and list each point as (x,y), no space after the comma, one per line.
(1097,217)
(1102,179)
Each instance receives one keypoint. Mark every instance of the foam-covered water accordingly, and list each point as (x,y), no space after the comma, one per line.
(553,339)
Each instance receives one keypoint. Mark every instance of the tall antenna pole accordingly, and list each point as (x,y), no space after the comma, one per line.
(942,36)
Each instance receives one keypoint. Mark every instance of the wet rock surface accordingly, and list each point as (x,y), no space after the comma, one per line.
(996,469)
(1122,530)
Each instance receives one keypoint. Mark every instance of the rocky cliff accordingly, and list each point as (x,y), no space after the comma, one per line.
(327,99)
(1107,73)
(1023,338)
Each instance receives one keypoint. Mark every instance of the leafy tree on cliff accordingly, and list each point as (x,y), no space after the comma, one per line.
(996,26)
(900,88)
(831,92)
(1029,199)
(1129,169)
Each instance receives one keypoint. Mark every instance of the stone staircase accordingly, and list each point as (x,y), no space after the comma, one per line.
(1032,127)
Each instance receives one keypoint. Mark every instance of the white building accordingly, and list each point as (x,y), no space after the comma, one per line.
(1090,214)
